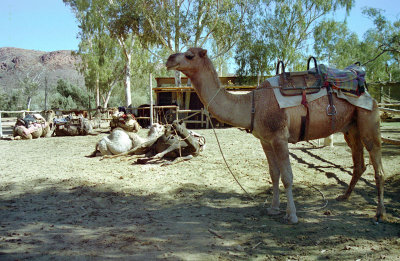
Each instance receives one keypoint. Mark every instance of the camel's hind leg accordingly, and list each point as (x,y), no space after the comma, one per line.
(369,127)
(353,139)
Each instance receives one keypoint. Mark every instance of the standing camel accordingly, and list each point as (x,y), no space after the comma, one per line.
(276,127)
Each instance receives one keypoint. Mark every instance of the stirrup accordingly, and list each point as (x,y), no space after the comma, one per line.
(329,111)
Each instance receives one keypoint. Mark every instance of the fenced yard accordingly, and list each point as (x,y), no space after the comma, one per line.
(57,204)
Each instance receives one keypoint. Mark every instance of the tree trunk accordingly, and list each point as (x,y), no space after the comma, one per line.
(45,93)
(179,95)
(97,91)
(128,99)
(28,103)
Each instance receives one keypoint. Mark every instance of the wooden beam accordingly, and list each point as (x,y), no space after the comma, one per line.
(390,141)
(389,110)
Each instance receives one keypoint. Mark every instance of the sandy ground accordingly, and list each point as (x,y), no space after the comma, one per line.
(56,204)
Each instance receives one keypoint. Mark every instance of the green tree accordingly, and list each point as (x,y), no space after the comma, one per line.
(102,64)
(284,27)
(29,81)
(69,96)
(177,25)
(336,45)
(11,101)
(384,39)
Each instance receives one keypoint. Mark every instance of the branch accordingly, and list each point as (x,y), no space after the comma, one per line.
(376,57)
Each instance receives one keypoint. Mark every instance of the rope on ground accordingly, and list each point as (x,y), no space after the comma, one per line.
(317,208)
(226,163)
(251,197)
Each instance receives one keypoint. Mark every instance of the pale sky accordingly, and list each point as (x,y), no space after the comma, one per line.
(49,25)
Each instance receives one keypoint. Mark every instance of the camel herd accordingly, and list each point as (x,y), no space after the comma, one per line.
(257,111)
(162,142)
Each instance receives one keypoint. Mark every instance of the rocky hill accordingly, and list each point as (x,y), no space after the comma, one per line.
(17,63)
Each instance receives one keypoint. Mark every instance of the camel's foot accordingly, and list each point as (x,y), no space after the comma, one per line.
(111,156)
(143,160)
(343,197)
(273,211)
(291,219)
(380,214)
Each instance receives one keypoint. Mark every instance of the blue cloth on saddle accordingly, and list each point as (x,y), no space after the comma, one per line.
(61,120)
(351,79)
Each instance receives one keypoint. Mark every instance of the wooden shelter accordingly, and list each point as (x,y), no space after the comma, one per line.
(188,105)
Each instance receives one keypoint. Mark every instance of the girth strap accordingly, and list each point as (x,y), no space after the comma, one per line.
(253,111)
(304,119)
(331,109)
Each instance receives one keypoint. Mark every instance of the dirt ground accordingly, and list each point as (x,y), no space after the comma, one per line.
(57,204)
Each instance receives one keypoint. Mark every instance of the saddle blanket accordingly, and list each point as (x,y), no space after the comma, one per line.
(33,127)
(364,101)
(349,79)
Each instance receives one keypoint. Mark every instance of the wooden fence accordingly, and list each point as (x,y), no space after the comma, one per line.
(204,118)
(186,114)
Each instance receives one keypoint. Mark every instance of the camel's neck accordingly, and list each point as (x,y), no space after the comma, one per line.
(233,109)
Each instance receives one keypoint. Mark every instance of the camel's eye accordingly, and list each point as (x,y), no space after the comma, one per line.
(189,56)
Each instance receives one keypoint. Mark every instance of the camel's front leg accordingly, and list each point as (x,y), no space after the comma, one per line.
(281,151)
(172,147)
(275,174)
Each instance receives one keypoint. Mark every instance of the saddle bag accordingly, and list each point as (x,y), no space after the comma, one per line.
(298,83)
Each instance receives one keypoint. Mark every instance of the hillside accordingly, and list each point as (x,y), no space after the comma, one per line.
(16,63)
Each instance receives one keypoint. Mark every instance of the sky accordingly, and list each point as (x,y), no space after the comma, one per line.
(50,25)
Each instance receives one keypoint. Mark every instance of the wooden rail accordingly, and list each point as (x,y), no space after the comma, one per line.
(389,110)
(204,117)
(390,141)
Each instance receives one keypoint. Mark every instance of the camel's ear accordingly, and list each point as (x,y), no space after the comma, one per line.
(203,53)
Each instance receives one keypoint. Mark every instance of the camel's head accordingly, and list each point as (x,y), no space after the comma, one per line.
(187,62)
(49,115)
(156,130)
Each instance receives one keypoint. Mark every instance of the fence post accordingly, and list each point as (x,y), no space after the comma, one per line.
(1,129)
(151,99)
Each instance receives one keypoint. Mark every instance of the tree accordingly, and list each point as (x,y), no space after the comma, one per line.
(29,80)
(284,27)
(384,39)
(102,66)
(102,32)
(179,24)
(336,45)
(69,96)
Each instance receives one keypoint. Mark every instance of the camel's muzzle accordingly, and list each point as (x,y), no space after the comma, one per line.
(171,63)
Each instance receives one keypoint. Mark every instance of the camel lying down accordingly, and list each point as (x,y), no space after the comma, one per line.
(173,142)
(121,141)
(34,126)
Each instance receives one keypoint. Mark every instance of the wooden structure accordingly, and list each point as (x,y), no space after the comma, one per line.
(188,106)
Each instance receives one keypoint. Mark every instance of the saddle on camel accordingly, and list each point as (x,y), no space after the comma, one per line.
(320,79)
(33,126)
(125,119)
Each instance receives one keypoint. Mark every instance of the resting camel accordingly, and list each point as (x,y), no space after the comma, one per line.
(276,127)
(121,142)
(34,126)
(171,142)
(124,121)
(177,143)
(73,126)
